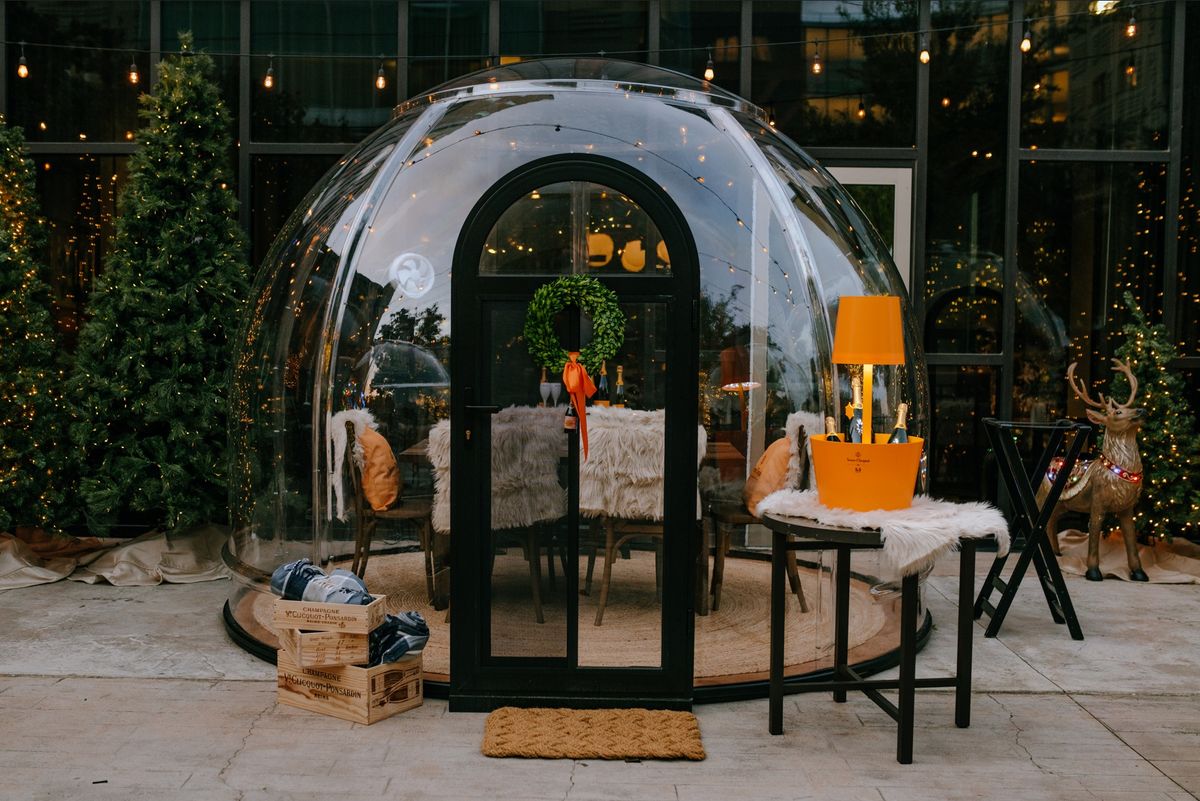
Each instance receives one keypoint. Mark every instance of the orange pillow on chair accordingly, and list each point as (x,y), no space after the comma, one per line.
(769,474)
(380,474)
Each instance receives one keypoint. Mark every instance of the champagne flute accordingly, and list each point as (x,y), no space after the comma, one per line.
(544,389)
(555,390)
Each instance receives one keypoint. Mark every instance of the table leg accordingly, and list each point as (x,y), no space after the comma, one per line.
(908,669)
(841,612)
(778,574)
(966,633)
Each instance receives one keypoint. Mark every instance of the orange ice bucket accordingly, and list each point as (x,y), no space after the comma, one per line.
(866,477)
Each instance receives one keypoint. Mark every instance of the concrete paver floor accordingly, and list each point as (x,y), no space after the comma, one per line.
(136,693)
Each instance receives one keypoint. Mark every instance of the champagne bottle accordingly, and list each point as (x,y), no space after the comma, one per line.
(601,396)
(856,422)
(831,434)
(619,399)
(900,432)
(571,419)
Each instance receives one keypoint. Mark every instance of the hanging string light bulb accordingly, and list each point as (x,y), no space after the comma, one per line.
(269,78)
(1131,26)
(923,55)
(134,77)
(1026,40)
(380,78)
(22,66)
(861,113)
(709,72)
(816,60)
(771,115)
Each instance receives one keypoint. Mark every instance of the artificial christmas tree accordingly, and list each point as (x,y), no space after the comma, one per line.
(1168,440)
(31,409)
(151,371)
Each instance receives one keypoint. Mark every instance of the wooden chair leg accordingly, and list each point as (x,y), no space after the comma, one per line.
(793,572)
(535,574)
(427,547)
(591,566)
(363,548)
(549,562)
(718,576)
(610,553)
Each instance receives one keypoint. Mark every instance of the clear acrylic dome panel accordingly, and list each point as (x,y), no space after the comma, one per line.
(271,400)
(366,267)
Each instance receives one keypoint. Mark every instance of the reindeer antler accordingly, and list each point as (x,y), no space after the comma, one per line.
(1121,366)
(1081,391)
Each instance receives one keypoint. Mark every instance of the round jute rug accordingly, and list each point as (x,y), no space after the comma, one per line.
(731,643)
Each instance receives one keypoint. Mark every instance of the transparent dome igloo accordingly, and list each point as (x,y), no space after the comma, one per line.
(352,305)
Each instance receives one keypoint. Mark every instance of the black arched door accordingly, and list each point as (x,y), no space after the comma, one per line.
(573,579)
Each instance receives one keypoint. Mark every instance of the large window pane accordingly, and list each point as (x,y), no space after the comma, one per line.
(326,56)
(446,38)
(74,92)
(79,201)
(1087,233)
(562,26)
(1086,83)
(1188,295)
(215,28)
(965,201)
(866,89)
(691,31)
(280,183)
(960,398)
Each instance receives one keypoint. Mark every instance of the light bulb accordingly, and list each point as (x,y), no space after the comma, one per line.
(380,80)
(22,67)
(133,73)
(924,55)
(862,111)
(269,78)
(816,63)
(1131,26)
(709,72)
(1026,42)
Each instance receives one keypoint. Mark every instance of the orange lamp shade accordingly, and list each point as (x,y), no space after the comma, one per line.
(868,330)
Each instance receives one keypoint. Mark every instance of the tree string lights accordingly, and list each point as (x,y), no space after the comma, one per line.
(1168,441)
(147,387)
(32,414)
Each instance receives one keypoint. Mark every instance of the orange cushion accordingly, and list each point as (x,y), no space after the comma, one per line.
(381,476)
(769,474)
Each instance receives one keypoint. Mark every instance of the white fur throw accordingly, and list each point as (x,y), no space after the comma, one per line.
(912,538)
(527,444)
(623,474)
(362,419)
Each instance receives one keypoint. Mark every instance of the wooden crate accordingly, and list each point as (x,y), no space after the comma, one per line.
(319,648)
(345,618)
(360,694)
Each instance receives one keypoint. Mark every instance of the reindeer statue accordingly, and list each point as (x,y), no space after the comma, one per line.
(1108,485)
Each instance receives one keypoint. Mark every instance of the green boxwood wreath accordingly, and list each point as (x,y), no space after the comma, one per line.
(594,299)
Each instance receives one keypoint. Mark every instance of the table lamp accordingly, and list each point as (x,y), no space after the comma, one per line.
(868,333)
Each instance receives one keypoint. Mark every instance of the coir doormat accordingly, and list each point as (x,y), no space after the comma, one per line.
(592,734)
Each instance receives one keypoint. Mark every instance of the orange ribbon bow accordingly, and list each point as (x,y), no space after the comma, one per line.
(579,388)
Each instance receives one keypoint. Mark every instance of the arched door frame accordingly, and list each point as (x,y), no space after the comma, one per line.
(479,681)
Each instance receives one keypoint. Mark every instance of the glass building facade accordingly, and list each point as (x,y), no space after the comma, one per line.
(1022,191)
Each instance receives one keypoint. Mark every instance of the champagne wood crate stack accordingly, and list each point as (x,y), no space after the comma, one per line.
(319,663)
